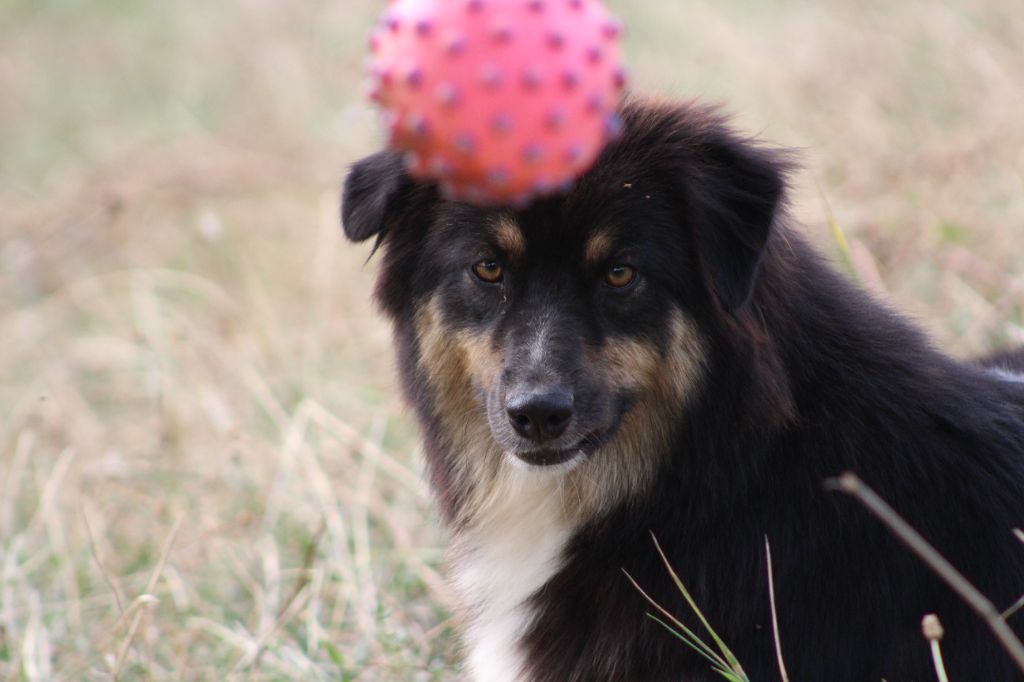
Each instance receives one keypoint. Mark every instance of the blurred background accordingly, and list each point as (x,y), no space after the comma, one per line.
(205,470)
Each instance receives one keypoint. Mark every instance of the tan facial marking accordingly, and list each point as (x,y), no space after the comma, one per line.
(510,237)
(639,365)
(456,363)
(663,382)
(460,364)
(598,248)
(445,363)
(483,363)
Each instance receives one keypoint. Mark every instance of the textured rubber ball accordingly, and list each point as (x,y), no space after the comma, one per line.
(498,100)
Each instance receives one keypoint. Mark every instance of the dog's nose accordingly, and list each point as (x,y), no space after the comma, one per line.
(540,415)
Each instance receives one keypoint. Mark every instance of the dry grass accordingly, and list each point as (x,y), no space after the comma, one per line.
(205,471)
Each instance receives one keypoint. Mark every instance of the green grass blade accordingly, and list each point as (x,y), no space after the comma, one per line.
(734,663)
(697,645)
(706,650)
(838,235)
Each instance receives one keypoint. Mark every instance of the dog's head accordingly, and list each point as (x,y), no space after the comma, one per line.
(574,330)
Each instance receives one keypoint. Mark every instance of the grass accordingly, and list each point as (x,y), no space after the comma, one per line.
(719,656)
(205,468)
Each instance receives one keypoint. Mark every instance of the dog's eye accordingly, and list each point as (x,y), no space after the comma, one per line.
(489,271)
(620,276)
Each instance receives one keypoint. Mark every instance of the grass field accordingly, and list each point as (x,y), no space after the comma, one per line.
(205,469)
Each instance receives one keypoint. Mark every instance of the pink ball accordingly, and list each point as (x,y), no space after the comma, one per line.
(498,100)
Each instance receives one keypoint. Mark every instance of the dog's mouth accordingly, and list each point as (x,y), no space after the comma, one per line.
(545,457)
(561,457)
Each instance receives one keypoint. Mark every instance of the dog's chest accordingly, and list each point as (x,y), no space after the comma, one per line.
(500,562)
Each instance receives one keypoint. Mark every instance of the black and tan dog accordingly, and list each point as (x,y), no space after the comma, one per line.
(655,351)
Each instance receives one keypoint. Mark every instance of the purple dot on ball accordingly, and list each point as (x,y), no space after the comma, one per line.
(532,78)
(556,41)
(414,79)
(595,54)
(465,143)
(455,45)
(611,29)
(501,33)
(613,126)
(475,5)
(543,185)
(502,123)
(619,79)
(536,5)
(555,120)
(533,153)
(416,124)
(574,153)
(424,27)
(498,177)
(570,79)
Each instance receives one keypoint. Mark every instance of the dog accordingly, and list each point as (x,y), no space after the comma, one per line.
(658,352)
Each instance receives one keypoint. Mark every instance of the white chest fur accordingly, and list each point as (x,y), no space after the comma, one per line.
(514,546)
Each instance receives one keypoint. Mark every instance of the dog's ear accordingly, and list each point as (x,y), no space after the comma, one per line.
(736,190)
(375,195)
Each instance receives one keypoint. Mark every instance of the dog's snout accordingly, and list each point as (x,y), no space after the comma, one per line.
(540,415)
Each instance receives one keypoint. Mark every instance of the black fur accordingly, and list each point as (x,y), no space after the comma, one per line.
(806,377)
(375,196)
(734,192)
